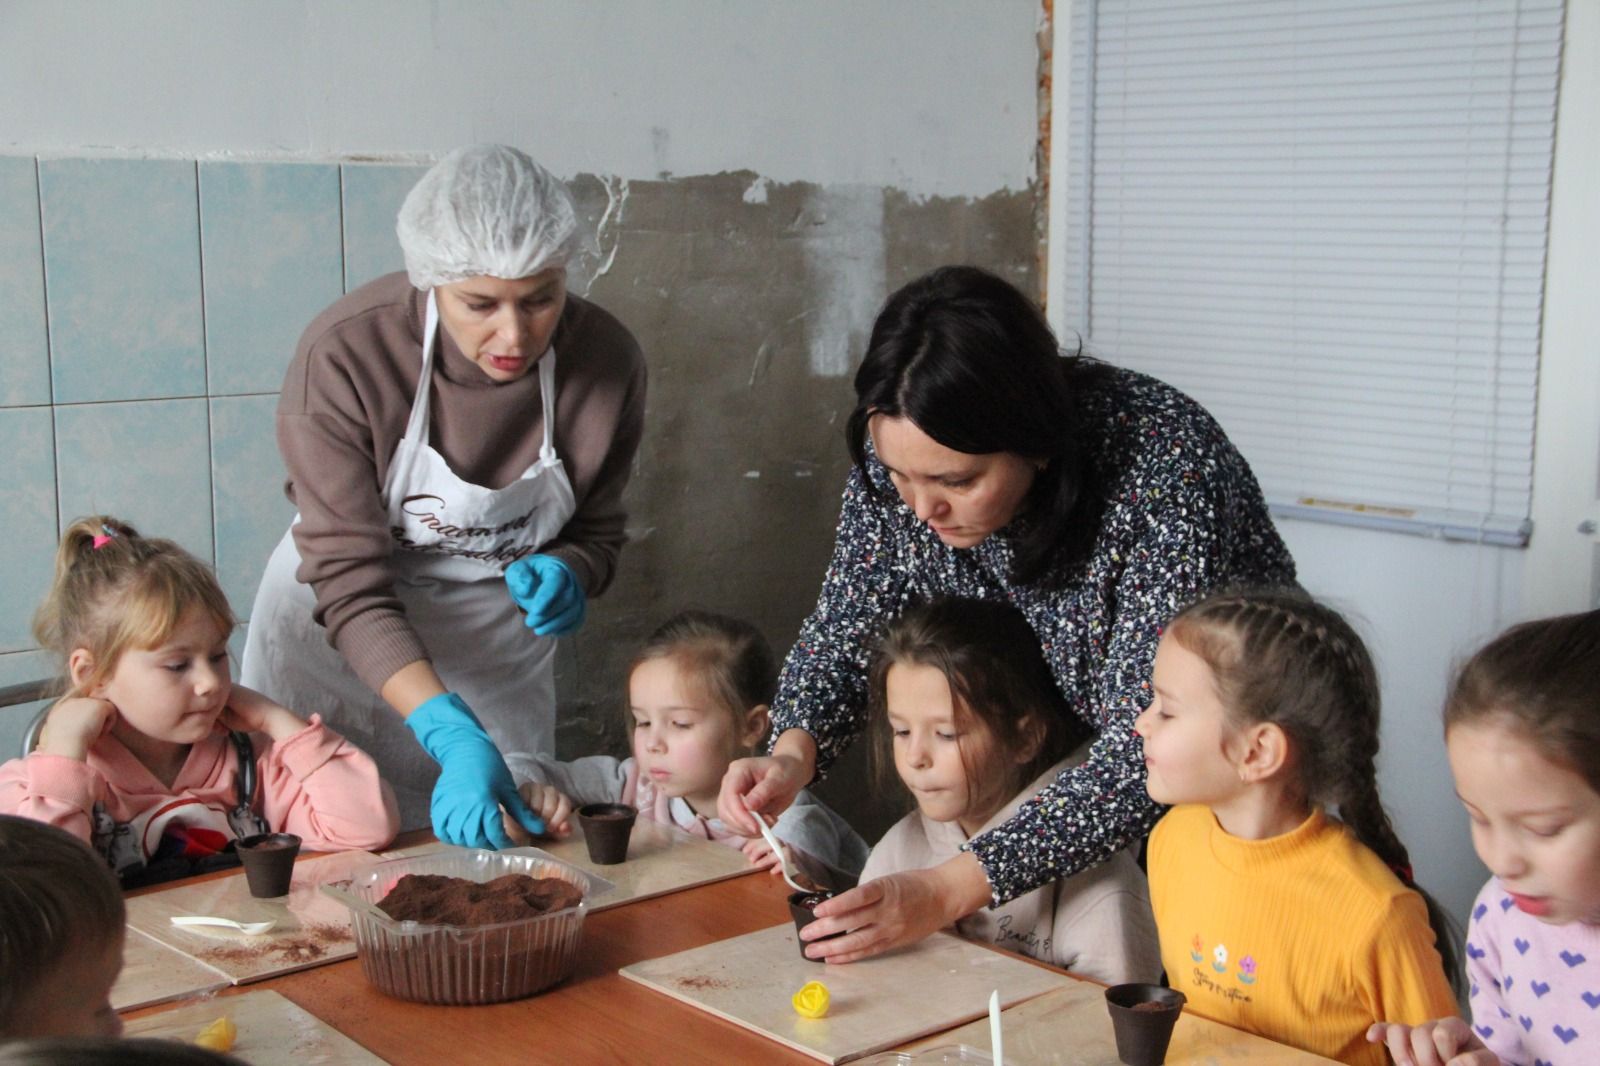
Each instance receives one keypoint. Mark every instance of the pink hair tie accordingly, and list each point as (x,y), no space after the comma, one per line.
(103,538)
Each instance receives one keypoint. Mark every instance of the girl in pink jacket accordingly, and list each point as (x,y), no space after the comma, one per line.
(154,756)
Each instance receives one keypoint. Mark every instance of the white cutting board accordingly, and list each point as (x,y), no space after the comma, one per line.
(312,929)
(155,973)
(661,859)
(1071,1027)
(272,1030)
(878,1003)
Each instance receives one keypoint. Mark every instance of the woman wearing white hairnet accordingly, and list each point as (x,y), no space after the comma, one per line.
(457,446)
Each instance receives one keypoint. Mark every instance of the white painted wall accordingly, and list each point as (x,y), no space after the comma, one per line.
(1424,604)
(929,96)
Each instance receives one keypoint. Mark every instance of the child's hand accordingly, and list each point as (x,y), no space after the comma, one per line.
(759,852)
(248,711)
(548,803)
(1446,1042)
(762,857)
(73,726)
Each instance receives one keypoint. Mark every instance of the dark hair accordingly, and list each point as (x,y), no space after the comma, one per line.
(728,660)
(1539,678)
(114,590)
(57,898)
(971,362)
(111,1051)
(1279,656)
(990,656)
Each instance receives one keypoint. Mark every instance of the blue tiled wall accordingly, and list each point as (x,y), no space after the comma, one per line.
(148,309)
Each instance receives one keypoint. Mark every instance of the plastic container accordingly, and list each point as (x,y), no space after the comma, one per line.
(606,829)
(1142,1018)
(801,908)
(268,860)
(944,1053)
(464,965)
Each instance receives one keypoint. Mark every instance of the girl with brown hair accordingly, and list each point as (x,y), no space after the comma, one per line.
(966,711)
(1276,916)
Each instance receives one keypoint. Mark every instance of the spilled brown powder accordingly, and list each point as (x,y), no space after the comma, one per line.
(308,945)
(700,984)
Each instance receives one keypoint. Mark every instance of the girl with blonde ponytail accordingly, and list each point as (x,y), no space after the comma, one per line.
(153,756)
(1284,900)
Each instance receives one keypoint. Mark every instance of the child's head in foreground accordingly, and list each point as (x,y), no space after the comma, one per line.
(1522,724)
(698,698)
(109,1051)
(141,623)
(61,932)
(966,708)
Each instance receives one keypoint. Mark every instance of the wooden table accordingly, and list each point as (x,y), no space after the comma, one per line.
(596,1015)
(593,1016)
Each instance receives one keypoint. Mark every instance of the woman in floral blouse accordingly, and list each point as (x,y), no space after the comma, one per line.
(988,464)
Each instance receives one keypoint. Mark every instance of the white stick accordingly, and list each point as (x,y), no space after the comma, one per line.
(994,1026)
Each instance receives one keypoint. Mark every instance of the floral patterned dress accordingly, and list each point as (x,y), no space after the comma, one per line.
(1183,516)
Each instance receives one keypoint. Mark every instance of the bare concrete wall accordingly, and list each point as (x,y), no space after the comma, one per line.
(753,307)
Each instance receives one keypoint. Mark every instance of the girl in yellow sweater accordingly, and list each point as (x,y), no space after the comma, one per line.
(1274,916)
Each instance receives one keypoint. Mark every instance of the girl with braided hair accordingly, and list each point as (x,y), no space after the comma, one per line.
(1274,915)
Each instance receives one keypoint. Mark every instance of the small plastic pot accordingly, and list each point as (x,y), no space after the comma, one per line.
(606,829)
(268,863)
(801,908)
(1142,1017)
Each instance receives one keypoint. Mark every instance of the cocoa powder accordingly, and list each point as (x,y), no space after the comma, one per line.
(432,899)
(700,984)
(310,944)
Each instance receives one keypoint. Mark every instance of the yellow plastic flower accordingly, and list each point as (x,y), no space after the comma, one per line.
(219,1035)
(812,1000)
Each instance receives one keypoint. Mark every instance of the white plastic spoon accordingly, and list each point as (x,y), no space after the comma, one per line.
(247,928)
(777,849)
(994,1028)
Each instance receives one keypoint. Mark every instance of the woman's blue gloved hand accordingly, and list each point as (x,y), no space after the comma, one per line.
(473,780)
(548,590)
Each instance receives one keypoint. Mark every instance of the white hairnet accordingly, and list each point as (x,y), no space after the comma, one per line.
(487,210)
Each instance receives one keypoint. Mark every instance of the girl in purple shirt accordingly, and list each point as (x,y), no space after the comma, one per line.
(1523,727)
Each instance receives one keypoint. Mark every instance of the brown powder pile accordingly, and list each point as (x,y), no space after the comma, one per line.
(1152,1005)
(436,900)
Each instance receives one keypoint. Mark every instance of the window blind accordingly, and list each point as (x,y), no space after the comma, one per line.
(1326,220)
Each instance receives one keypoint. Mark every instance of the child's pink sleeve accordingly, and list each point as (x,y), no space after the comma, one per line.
(327,791)
(53,789)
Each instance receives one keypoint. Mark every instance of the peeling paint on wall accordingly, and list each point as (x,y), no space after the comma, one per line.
(757,192)
(842,234)
(753,311)
(607,230)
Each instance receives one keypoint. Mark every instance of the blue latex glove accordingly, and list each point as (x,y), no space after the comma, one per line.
(548,590)
(473,780)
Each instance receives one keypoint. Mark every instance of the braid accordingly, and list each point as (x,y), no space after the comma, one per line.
(1279,656)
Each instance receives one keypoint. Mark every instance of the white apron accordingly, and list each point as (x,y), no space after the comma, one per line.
(453,541)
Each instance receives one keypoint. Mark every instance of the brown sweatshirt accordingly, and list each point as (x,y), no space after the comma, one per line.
(343,411)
